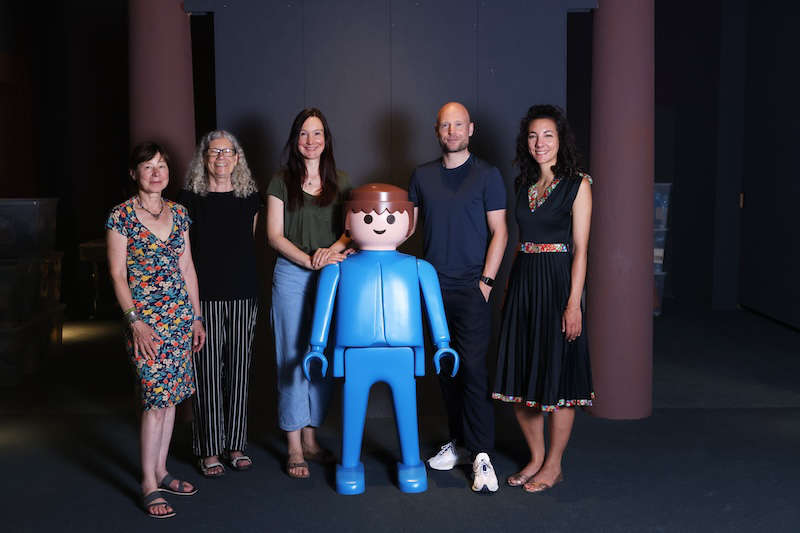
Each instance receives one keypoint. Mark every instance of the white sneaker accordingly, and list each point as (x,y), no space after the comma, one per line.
(484,478)
(448,457)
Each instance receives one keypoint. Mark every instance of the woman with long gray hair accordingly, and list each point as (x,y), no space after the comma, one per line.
(223,201)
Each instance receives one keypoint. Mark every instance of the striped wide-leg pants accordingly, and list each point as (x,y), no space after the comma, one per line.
(222,371)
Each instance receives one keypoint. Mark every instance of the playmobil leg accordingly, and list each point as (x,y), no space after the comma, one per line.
(350,474)
(411,476)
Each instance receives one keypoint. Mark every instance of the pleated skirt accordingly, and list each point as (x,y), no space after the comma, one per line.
(536,366)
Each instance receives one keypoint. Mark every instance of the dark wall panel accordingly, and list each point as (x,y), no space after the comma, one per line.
(346,54)
(517,68)
(260,76)
(730,154)
(579,79)
(433,61)
(687,90)
(771,248)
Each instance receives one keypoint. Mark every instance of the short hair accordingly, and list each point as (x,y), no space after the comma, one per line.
(145,151)
(381,197)
(241,177)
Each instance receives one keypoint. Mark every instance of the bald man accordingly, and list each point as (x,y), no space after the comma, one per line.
(463,204)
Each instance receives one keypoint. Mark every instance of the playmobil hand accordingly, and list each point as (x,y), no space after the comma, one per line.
(444,349)
(315,353)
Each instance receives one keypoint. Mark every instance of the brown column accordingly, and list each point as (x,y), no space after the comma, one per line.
(620,276)
(161,90)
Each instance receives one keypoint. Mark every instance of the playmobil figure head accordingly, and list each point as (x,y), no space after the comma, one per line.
(379,216)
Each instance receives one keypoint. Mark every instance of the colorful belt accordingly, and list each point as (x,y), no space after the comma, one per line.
(535,248)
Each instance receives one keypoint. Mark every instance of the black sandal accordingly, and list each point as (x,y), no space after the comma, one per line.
(164,486)
(148,504)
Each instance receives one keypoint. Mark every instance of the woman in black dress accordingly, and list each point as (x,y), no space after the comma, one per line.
(543,361)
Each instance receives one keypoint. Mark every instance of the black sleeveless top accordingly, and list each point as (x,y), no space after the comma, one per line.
(548,218)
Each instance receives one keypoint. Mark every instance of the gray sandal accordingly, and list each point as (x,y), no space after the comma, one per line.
(182,490)
(148,504)
(204,468)
(234,461)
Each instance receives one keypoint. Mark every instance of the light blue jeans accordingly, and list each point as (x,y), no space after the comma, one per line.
(300,403)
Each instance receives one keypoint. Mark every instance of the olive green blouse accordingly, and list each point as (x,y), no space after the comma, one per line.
(310,227)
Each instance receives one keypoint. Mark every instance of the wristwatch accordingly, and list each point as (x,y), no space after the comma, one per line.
(487,280)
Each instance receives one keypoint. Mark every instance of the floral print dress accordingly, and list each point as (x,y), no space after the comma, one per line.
(159,294)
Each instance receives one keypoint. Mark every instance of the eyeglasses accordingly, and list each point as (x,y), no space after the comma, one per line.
(214,152)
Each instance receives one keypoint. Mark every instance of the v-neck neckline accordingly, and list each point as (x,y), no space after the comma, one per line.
(534,200)
(153,233)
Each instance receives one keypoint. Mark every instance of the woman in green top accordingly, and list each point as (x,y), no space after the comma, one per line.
(304,225)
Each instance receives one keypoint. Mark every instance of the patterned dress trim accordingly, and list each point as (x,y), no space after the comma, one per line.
(536,248)
(546,408)
(535,201)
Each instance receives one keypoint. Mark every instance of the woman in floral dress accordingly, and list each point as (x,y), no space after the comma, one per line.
(151,267)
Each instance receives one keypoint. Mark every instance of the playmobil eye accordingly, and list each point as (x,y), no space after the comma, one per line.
(367,219)
(390,219)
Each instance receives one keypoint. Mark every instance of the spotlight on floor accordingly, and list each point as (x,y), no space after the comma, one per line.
(86,331)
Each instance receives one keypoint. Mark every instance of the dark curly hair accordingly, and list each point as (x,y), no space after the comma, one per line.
(567,158)
(295,169)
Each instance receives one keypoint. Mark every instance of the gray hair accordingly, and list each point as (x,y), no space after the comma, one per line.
(241,177)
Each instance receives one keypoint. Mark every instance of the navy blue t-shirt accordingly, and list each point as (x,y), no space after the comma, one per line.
(453,203)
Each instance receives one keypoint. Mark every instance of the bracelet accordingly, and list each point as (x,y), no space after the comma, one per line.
(130,315)
(200,318)
(487,280)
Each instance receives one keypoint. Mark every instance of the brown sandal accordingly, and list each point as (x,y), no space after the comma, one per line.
(301,464)
(518,479)
(536,486)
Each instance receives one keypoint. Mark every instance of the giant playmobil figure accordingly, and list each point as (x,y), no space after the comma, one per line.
(378,333)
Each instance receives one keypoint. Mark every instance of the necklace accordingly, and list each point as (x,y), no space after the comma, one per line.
(154,215)
(310,187)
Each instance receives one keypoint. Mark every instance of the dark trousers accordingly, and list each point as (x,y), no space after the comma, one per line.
(222,370)
(470,412)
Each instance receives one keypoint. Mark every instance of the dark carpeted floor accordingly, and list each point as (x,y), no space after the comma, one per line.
(718,454)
